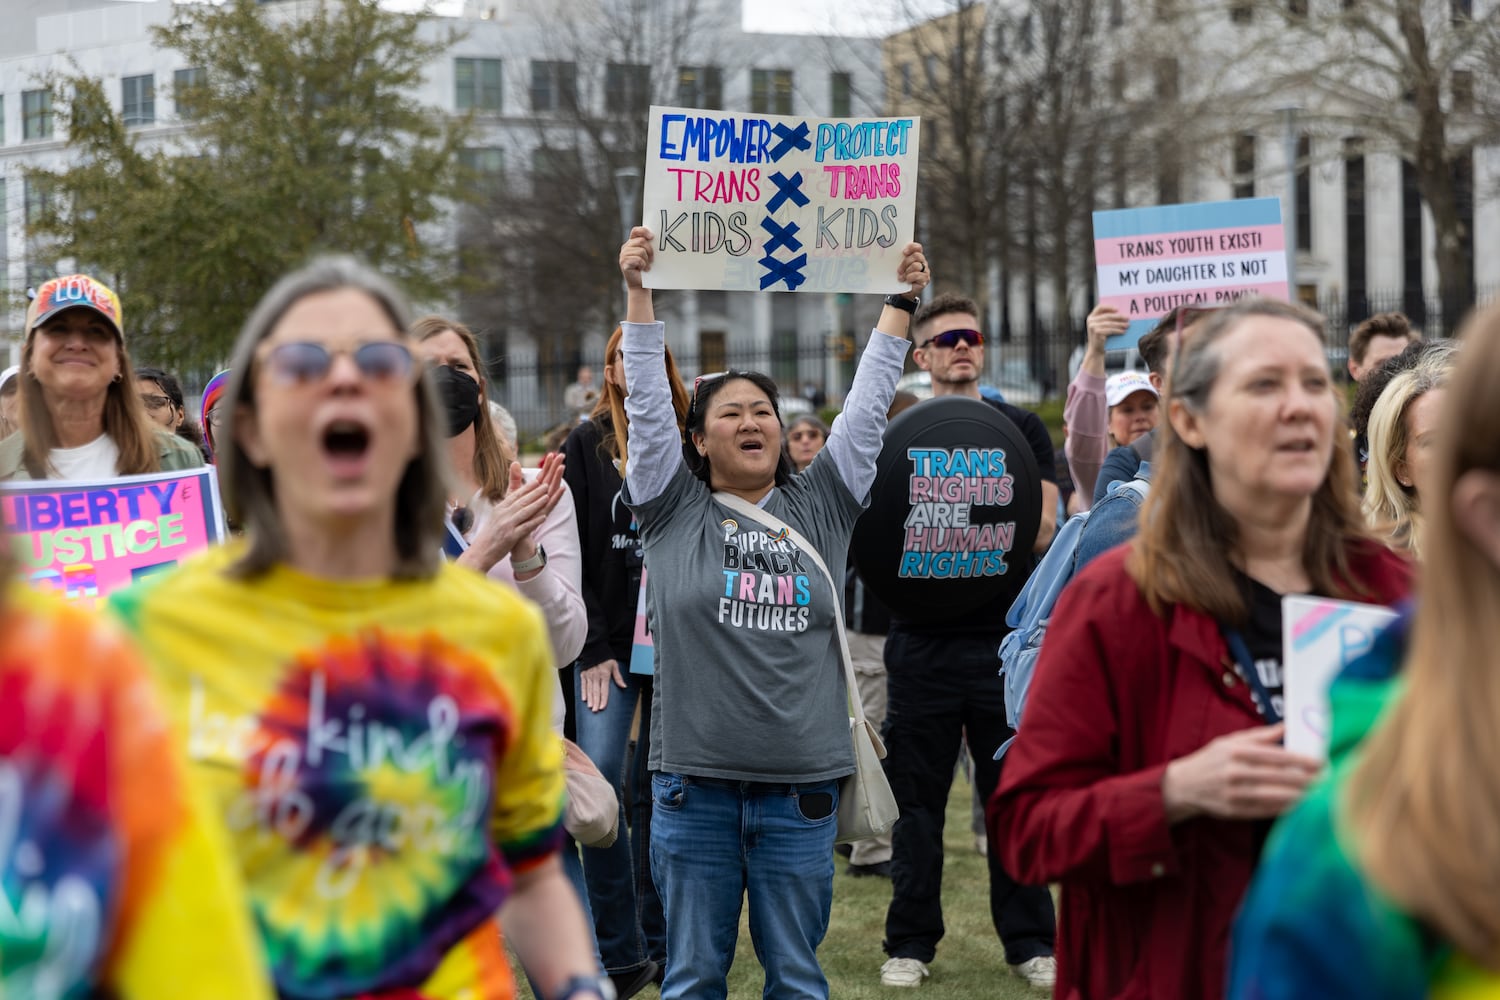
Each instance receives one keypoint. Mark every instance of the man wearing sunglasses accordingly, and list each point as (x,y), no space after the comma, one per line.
(943,686)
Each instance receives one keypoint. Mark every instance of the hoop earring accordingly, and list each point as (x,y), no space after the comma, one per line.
(118,378)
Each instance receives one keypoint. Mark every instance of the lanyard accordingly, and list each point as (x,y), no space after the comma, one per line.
(1258,693)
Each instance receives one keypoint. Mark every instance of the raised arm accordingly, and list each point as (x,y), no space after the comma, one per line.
(854,441)
(655,444)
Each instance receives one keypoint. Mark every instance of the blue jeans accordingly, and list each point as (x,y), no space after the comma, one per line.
(628,922)
(713,841)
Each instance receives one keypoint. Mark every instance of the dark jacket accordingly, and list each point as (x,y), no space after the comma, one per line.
(610,546)
(1118,694)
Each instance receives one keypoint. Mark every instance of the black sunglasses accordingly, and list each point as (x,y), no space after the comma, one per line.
(303,362)
(950,338)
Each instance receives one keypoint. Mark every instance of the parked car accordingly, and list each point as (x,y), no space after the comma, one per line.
(1127,360)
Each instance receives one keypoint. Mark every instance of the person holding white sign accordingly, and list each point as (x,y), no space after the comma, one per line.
(750,725)
(1150,757)
(1383,882)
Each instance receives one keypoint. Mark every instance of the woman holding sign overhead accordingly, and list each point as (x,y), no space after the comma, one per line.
(372,721)
(1150,761)
(83,418)
(750,725)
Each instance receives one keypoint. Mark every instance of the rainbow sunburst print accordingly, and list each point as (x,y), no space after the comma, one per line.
(362,828)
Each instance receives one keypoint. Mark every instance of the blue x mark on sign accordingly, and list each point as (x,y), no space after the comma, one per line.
(789,271)
(787,188)
(781,236)
(790,139)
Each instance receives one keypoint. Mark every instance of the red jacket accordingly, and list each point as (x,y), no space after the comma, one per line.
(1118,693)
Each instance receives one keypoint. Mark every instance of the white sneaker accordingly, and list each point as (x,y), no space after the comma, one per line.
(1040,972)
(903,972)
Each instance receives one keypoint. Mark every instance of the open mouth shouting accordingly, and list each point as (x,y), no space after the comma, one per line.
(346,446)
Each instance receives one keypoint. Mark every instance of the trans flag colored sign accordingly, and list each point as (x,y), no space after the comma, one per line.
(1152,260)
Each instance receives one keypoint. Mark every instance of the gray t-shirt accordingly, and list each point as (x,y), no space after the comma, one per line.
(749,684)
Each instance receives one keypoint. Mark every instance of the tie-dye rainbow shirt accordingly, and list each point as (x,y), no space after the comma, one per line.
(381,753)
(114,877)
(1311,924)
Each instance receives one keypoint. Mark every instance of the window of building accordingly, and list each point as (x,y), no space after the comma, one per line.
(1168,182)
(1355,246)
(138,99)
(930,70)
(554,85)
(841,98)
(1116,13)
(36,114)
(1304,193)
(1028,36)
(476,84)
(771,91)
(1168,73)
(906,79)
(1244,166)
(36,194)
(1463,91)
(487,162)
(185,84)
(1462,10)
(1296,8)
(700,87)
(2,142)
(627,88)
(1241,12)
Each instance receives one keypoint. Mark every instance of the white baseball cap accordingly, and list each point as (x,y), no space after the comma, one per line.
(1122,385)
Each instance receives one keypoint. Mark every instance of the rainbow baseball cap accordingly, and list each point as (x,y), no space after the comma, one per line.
(211,395)
(75,291)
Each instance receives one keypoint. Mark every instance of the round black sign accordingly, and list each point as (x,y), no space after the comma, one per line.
(956,493)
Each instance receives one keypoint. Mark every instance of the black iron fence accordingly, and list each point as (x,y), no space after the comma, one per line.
(1028,365)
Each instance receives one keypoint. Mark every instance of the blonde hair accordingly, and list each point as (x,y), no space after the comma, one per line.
(1423,800)
(1181,555)
(491,465)
(1392,508)
(125,419)
(609,412)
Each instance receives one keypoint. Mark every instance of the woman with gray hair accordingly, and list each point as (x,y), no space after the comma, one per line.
(371,721)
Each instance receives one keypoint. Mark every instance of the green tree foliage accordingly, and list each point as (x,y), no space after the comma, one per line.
(302,137)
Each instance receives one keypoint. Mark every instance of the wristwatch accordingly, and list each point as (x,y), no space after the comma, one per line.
(586,988)
(527,565)
(901,302)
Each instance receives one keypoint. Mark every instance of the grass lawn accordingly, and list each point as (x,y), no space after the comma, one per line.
(970,964)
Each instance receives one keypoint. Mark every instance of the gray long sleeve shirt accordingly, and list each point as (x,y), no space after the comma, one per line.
(749,683)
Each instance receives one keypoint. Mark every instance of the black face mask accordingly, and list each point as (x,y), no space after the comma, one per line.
(460,397)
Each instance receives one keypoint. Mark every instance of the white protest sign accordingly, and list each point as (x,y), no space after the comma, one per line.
(746,202)
(1320,638)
